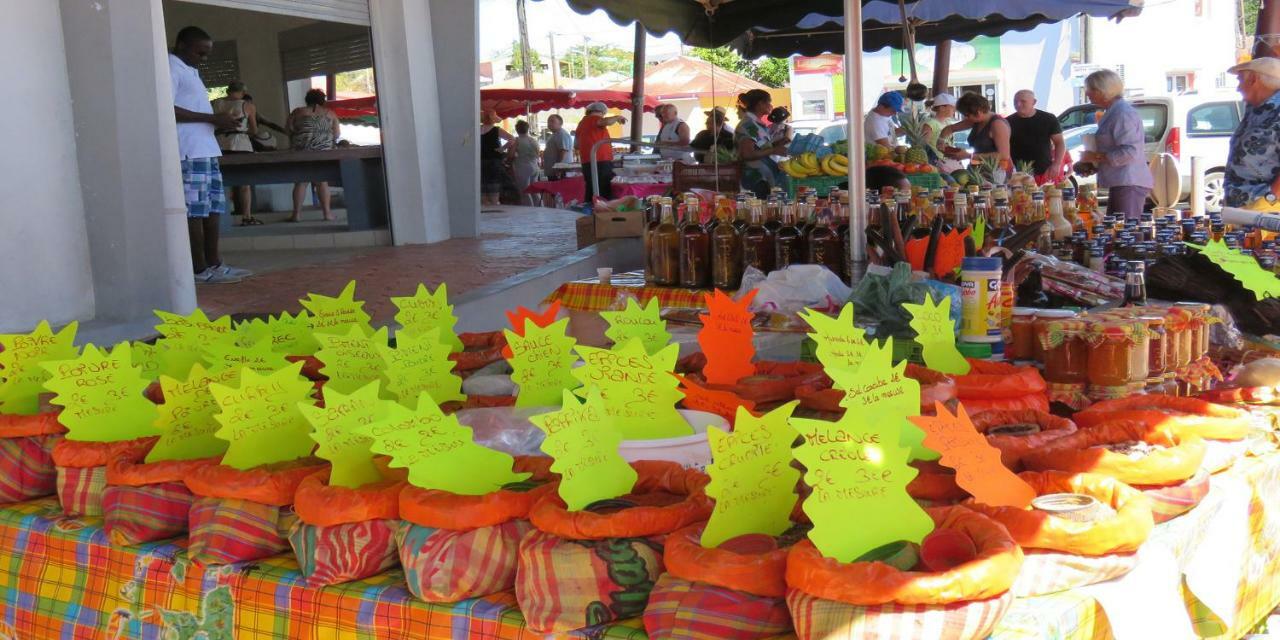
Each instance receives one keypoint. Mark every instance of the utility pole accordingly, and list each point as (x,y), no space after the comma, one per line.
(586,57)
(526,65)
(555,66)
(637,87)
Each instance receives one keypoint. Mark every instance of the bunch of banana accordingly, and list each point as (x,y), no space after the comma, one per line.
(835,165)
(804,165)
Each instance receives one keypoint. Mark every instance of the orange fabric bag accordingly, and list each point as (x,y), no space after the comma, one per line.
(1035,529)
(935,484)
(761,574)
(1186,416)
(318,503)
(444,510)
(311,367)
(1012,447)
(998,385)
(79,454)
(273,485)
(133,472)
(549,513)
(989,575)
(40,424)
(1083,451)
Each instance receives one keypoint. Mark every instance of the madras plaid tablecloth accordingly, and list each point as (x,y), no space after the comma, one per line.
(59,578)
(590,295)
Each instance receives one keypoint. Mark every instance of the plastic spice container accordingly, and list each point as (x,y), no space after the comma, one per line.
(1022,335)
(1065,350)
(1044,316)
(1157,347)
(980,300)
(1111,358)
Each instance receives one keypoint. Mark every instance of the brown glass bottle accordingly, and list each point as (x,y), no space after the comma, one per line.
(825,246)
(695,252)
(790,243)
(666,249)
(744,215)
(773,214)
(726,254)
(653,216)
(757,242)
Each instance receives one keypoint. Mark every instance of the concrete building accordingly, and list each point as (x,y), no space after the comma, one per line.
(93,217)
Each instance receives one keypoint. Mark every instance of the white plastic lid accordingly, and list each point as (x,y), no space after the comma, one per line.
(1055,313)
(1026,311)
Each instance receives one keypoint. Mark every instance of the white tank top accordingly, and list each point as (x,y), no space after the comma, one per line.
(668,134)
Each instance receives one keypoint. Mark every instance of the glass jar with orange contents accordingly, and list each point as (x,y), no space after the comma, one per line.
(1199,324)
(1178,327)
(1022,335)
(1112,343)
(1065,350)
(1043,317)
(1157,346)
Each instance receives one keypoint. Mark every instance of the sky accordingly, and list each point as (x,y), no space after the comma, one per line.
(499,28)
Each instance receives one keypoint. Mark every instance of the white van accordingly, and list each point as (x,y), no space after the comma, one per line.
(1185,125)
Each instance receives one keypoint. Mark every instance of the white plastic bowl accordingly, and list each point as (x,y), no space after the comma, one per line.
(688,451)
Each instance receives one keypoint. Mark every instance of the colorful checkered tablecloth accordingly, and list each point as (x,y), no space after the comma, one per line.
(590,295)
(59,578)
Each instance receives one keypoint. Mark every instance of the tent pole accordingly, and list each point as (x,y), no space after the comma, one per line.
(637,87)
(853,116)
(941,66)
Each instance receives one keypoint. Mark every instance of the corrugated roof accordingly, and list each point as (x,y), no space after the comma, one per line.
(684,77)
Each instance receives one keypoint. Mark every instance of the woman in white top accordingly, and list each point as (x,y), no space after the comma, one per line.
(674,131)
(523,156)
(238,140)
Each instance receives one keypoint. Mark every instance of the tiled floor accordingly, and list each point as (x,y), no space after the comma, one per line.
(512,240)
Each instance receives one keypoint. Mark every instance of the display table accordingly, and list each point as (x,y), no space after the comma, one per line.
(60,578)
(573,190)
(589,295)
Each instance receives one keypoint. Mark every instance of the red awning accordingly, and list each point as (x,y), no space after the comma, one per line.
(354,107)
(514,102)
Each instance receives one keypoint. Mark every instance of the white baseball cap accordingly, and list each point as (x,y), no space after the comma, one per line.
(942,100)
(1261,66)
(597,107)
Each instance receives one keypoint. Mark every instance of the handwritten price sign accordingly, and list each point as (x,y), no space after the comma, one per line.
(424,311)
(541,363)
(21,354)
(752,479)
(585,448)
(101,396)
(260,418)
(186,422)
(638,391)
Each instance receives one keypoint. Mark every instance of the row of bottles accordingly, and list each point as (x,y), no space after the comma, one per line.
(683,250)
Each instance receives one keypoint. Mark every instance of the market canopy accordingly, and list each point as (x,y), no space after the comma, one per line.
(685,77)
(514,102)
(933,21)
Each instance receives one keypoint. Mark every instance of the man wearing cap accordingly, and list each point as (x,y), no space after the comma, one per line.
(1035,136)
(592,129)
(1253,164)
(717,133)
(878,127)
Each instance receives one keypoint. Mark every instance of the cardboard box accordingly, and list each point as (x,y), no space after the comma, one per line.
(619,224)
(586,228)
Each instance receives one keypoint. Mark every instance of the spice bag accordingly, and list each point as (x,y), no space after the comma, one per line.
(144,502)
(935,387)
(830,600)
(455,547)
(311,367)
(580,569)
(344,534)
(772,382)
(26,456)
(717,593)
(1062,553)
(240,516)
(479,350)
(1171,501)
(934,485)
(82,471)
(1012,447)
(997,385)
(1177,458)
(1185,416)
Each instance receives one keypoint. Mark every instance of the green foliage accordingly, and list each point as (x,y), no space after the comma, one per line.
(1249,16)
(599,60)
(772,72)
(517,58)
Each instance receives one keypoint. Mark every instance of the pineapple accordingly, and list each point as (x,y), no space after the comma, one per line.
(912,124)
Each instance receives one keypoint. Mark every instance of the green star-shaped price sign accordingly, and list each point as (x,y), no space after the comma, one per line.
(335,315)
(542,363)
(636,322)
(439,452)
(1260,282)
(424,311)
(186,419)
(234,354)
(936,334)
(841,344)
(22,377)
(638,390)
(291,335)
(752,479)
(185,339)
(101,396)
(858,469)
(260,417)
(147,358)
(584,445)
(248,332)
(890,395)
(353,359)
(342,431)
(420,364)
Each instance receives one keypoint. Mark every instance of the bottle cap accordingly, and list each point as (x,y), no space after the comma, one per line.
(981,264)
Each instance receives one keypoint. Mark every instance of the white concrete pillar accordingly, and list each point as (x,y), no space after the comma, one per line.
(127,148)
(409,99)
(455,34)
(44,252)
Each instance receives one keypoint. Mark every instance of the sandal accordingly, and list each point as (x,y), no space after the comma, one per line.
(250,222)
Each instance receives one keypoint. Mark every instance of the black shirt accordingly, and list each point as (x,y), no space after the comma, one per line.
(1029,139)
(703,142)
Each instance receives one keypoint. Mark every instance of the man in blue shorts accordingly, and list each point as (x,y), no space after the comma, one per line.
(198,148)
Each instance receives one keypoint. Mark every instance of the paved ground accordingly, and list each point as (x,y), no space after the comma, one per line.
(512,240)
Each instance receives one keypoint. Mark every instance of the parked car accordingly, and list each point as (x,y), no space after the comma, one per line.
(1073,139)
(1185,126)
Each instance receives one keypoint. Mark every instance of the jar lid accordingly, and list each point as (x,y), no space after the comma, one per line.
(978,350)
(1153,321)
(1025,311)
(1055,313)
(1115,329)
(981,264)
(1064,325)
